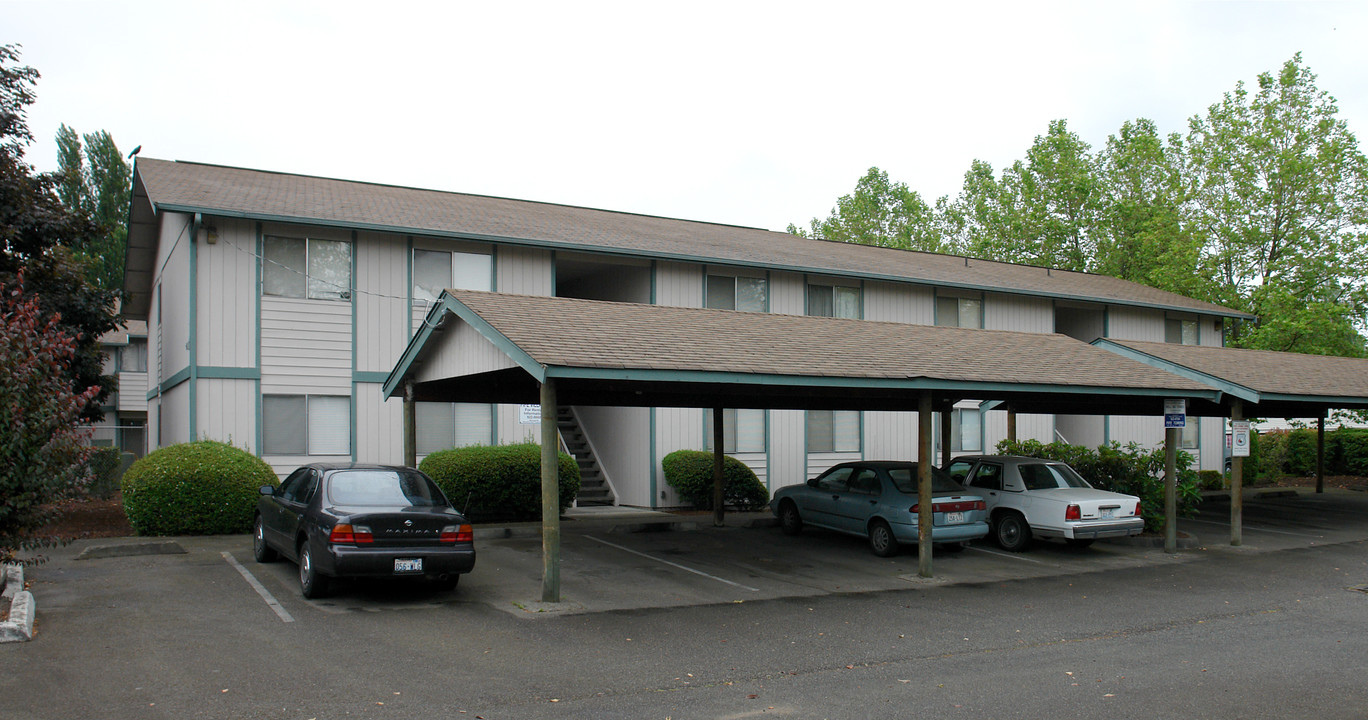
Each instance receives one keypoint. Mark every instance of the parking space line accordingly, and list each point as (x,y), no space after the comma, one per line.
(1014,556)
(261,589)
(1253,527)
(674,564)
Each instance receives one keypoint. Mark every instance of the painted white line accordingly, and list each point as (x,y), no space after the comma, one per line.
(674,564)
(261,589)
(1014,556)
(1254,527)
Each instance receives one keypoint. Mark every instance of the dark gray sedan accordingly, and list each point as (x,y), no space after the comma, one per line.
(362,521)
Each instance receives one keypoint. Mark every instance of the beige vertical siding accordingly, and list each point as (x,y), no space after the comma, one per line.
(788,293)
(890,435)
(381,300)
(226,411)
(1020,313)
(896,302)
(676,429)
(226,306)
(1128,323)
(462,351)
(621,438)
(379,426)
(523,271)
(679,284)
(174,278)
(175,412)
(787,463)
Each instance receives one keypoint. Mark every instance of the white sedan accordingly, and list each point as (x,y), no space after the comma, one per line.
(1043,498)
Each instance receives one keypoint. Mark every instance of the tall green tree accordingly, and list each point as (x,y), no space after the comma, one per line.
(879,212)
(1140,232)
(41,237)
(1281,198)
(95,181)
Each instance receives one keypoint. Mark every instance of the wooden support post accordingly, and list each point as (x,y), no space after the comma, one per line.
(718,439)
(1236,481)
(1172,438)
(924,509)
(1011,425)
(550,487)
(1320,453)
(410,427)
(947,416)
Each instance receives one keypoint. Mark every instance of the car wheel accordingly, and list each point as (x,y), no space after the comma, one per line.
(789,519)
(311,583)
(881,539)
(262,552)
(1011,532)
(1079,542)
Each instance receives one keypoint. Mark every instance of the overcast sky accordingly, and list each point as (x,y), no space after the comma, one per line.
(749,113)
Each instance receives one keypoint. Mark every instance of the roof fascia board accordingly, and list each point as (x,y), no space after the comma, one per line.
(703,376)
(683,257)
(1334,401)
(1234,389)
(448,304)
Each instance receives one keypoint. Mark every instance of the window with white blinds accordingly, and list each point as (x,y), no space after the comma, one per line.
(306,425)
(442,426)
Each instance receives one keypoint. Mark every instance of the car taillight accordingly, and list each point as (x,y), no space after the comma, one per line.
(1137,509)
(349,534)
(1073,513)
(960,506)
(454,534)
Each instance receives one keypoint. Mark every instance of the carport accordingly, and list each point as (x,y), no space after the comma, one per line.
(1259,383)
(498,348)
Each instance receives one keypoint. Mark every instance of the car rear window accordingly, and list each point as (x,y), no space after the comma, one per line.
(905,479)
(383,488)
(1048,476)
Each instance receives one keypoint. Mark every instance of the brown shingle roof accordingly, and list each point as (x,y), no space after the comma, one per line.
(1265,371)
(563,332)
(212,189)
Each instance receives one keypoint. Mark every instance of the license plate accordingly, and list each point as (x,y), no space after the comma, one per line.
(414,565)
(954,518)
(1107,513)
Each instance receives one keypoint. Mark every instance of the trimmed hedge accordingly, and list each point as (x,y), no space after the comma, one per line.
(1293,452)
(691,473)
(198,488)
(503,482)
(1128,470)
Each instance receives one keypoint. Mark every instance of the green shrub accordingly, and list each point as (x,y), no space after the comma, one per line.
(198,488)
(1301,452)
(1272,460)
(1351,453)
(1130,470)
(104,463)
(503,482)
(690,472)
(1211,479)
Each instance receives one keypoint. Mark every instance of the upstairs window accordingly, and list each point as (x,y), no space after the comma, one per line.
(747,294)
(959,312)
(306,268)
(133,356)
(438,270)
(1181,332)
(833,301)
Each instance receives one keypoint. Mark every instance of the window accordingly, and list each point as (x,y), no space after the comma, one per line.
(959,312)
(1192,433)
(833,430)
(437,270)
(307,268)
(736,293)
(133,357)
(743,431)
(1181,332)
(987,477)
(305,425)
(447,425)
(833,301)
(966,432)
(836,480)
(866,482)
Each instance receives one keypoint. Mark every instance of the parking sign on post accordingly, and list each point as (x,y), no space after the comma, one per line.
(1239,432)
(1175,413)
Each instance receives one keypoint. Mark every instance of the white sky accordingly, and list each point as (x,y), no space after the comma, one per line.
(750,113)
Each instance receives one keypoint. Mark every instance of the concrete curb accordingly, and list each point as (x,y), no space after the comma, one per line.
(18,627)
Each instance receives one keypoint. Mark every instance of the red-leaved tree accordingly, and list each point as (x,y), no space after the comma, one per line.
(43,456)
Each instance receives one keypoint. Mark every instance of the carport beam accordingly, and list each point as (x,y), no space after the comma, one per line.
(924,509)
(1236,479)
(718,439)
(410,427)
(947,416)
(1320,453)
(1172,437)
(550,494)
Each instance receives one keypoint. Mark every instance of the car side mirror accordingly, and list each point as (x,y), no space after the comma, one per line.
(267,490)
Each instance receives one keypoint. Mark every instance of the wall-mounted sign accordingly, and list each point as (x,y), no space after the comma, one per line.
(1175,413)
(529,414)
(1239,438)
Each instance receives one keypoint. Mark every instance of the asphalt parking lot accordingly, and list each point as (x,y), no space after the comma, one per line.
(172,628)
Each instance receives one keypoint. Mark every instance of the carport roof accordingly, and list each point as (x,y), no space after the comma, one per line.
(1273,384)
(629,354)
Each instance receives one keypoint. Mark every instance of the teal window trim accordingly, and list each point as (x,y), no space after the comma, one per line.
(553,274)
(655,469)
(354,344)
(260,253)
(193,330)
(408,283)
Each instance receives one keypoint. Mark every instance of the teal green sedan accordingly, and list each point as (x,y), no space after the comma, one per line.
(877,500)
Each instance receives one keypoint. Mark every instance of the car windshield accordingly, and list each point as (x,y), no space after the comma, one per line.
(905,478)
(389,488)
(1048,476)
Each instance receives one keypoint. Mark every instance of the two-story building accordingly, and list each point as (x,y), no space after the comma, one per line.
(276,305)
